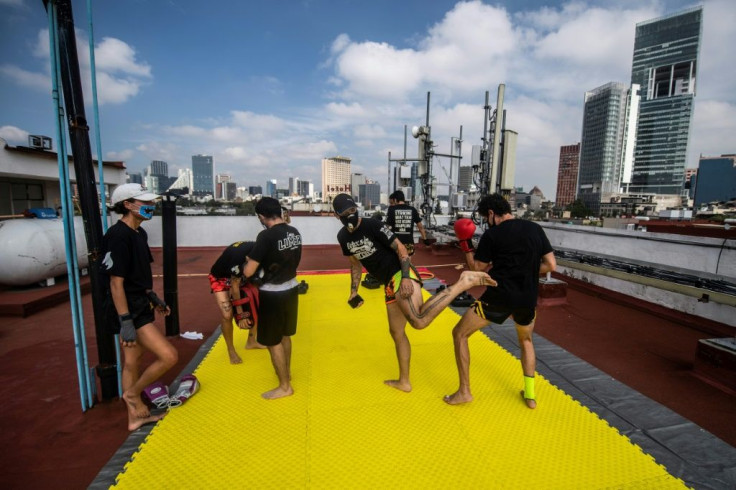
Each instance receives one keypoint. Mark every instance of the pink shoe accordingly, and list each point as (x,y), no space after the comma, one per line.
(188,386)
(156,395)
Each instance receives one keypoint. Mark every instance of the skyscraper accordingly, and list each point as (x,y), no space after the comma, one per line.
(602,144)
(665,65)
(271,188)
(567,174)
(203,171)
(335,177)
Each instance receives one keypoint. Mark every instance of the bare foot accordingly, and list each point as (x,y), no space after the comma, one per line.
(458,398)
(278,392)
(530,402)
(399,385)
(234,357)
(471,279)
(136,408)
(136,423)
(253,344)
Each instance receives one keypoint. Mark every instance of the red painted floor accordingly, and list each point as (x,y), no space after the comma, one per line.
(51,443)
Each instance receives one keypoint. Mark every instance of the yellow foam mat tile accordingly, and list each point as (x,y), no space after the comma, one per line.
(343,428)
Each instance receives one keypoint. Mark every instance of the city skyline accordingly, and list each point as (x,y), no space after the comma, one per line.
(269,91)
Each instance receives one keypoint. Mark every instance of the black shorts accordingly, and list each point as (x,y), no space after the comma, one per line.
(139,307)
(498,313)
(277,315)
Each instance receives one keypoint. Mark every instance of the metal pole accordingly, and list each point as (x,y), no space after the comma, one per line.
(88,197)
(85,391)
(171,289)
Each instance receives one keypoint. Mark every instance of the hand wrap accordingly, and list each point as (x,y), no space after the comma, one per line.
(155,300)
(127,328)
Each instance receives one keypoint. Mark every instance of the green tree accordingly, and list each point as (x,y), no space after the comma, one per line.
(578,209)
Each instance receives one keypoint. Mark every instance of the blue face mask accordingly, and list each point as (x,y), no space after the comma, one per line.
(146,211)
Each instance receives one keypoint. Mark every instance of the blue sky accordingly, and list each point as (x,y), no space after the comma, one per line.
(270,88)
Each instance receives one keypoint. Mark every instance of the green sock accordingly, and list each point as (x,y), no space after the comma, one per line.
(529,387)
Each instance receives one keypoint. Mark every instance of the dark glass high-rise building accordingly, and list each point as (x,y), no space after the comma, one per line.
(665,66)
(602,144)
(203,171)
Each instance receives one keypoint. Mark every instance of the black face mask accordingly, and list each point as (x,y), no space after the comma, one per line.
(492,221)
(350,221)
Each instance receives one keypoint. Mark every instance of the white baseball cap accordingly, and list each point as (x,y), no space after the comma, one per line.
(131,191)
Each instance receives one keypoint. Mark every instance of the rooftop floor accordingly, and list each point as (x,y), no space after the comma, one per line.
(632,367)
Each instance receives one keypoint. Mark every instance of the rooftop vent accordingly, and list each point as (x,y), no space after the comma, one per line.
(39,142)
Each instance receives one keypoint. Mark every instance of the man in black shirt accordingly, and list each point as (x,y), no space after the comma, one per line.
(370,244)
(225,280)
(517,251)
(401,218)
(130,300)
(277,251)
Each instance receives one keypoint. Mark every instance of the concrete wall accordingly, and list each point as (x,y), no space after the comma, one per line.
(699,256)
(221,231)
(695,255)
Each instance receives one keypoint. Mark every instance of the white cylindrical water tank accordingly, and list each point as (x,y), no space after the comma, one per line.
(32,250)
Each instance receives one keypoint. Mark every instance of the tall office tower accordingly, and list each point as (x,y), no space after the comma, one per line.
(305,188)
(716,179)
(157,175)
(465,178)
(602,144)
(270,188)
(665,65)
(369,194)
(159,168)
(203,172)
(356,180)
(294,186)
(567,175)
(255,190)
(230,191)
(135,178)
(335,177)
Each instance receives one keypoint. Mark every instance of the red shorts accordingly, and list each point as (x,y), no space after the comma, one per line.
(218,284)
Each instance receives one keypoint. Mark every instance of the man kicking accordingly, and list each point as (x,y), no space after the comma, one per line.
(225,277)
(370,244)
(518,252)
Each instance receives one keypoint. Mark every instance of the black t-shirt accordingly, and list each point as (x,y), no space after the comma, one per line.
(230,263)
(370,243)
(278,250)
(401,219)
(125,253)
(515,248)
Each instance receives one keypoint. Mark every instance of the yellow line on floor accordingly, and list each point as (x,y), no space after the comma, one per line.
(344,428)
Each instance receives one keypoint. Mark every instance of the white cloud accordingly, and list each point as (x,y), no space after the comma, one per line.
(119,76)
(36,80)
(13,135)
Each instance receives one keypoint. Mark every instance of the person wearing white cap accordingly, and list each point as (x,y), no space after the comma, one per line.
(371,244)
(130,300)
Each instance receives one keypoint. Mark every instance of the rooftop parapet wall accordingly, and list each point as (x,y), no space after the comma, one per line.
(221,231)
(703,256)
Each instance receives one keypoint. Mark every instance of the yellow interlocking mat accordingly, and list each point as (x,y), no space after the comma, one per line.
(343,428)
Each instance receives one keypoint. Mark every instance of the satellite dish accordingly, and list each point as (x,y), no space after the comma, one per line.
(317,208)
(415,131)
